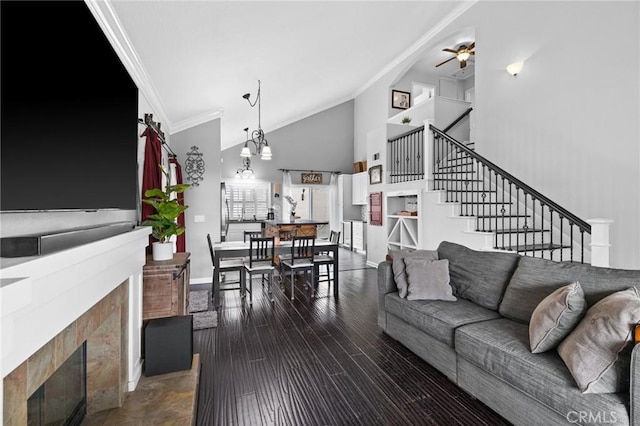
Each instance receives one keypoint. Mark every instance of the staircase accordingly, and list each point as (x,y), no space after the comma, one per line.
(519,218)
(495,210)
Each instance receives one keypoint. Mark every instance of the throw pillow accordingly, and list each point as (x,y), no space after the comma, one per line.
(598,351)
(554,318)
(398,266)
(428,279)
(478,276)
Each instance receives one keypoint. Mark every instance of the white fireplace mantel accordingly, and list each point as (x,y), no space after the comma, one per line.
(41,295)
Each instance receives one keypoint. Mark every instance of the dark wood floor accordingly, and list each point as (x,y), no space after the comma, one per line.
(321,361)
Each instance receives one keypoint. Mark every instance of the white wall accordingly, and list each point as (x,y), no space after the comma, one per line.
(323,141)
(568,124)
(203,200)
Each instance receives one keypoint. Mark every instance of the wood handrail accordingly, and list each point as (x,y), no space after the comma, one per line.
(457,120)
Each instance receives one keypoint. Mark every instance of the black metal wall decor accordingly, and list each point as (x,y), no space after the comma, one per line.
(194,166)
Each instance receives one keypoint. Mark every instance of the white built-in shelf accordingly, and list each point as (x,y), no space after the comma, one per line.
(403,232)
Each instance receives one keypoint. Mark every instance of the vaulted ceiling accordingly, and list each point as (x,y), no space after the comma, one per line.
(196,59)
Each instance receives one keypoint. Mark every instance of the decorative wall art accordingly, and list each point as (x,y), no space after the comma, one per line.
(375,208)
(375,174)
(194,166)
(400,99)
(311,178)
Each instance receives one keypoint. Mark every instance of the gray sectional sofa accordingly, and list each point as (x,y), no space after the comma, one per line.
(481,340)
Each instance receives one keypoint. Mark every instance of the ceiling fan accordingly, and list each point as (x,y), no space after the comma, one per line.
(462,53)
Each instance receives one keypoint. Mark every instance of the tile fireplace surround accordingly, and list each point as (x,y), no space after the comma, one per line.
(51,304)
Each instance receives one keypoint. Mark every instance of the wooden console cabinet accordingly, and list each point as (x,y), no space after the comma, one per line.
(165,287)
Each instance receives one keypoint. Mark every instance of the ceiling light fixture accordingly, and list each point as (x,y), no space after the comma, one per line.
(245,172)
(514,68)
(463,55)
(257,136)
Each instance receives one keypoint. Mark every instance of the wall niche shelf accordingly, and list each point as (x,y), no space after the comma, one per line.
(404,230)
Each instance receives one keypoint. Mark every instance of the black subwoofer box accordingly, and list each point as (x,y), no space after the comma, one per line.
(168,345)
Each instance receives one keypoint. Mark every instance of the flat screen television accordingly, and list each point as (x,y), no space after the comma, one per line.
(68,130)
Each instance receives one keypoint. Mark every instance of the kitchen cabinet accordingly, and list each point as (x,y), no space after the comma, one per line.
(358,235)
(345,235)
(359,188)
(165,287)
(354,235)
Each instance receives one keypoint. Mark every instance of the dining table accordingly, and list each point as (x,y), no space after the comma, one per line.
(239,249)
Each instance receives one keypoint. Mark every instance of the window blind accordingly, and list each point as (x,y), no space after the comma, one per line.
(248,199)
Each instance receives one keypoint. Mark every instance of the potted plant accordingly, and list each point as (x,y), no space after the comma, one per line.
(164,221)
(406,119)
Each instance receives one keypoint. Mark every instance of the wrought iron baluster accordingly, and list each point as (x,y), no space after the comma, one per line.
(561,235)
(525,227)
(571,241)
(533,226)
(550,229)
(517,219)
(495,227)
(542,231)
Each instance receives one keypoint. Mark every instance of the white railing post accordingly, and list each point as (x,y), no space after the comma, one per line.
(600,241)
(428,153)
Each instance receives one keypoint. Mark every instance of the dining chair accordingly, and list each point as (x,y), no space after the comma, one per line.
(300,259)
(227,265)
(283,235)
(324,260)
(251,234)
(261,258)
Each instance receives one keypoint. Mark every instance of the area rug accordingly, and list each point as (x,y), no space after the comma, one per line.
(198,301)
(199,305)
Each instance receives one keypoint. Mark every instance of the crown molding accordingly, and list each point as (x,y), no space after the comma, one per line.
(197,120)
(415,47)
(108,21)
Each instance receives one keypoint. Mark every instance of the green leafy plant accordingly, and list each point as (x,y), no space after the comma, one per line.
(406,120)
(163,222)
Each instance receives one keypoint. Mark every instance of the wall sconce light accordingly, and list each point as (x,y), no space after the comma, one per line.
(515,68)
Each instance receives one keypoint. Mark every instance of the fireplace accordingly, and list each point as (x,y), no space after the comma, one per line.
(53,304)
(62,398)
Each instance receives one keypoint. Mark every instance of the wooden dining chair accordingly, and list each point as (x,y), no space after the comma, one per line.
(251,234)
(227,265)
(324,260)
(261,258)
(300,259)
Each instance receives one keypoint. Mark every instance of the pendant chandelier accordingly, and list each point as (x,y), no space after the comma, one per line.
(257,136)
(245,172)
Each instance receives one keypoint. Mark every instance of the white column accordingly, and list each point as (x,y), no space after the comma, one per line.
(600,241)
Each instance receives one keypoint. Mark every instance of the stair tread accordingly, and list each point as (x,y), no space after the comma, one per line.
(473,190)
(453,173)
(501,216)
(535,247)
(459,180)
(519,231)
(487,202)
(470,163)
